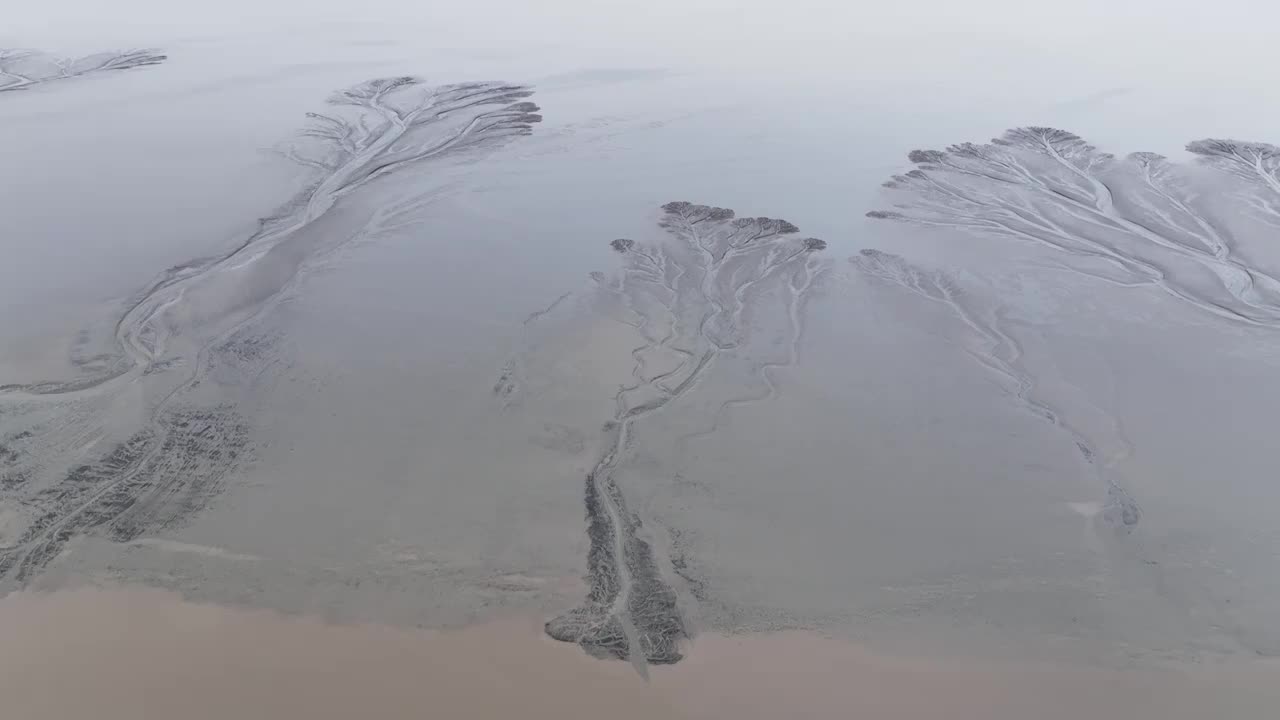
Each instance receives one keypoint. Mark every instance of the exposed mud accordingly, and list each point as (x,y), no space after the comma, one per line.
(689,300)
(153,481)
(378,127)
(1131,221)
(1141,218)
(185,353)
(11,449)
(1257,164)
(997,350)
(23,69)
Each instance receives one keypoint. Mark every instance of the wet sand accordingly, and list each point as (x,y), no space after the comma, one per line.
(127,653)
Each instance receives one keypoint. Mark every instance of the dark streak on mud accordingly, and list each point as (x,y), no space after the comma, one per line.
(650,603)
(546,310)
(682,566)
(24,69)
(506,384)
(155,480)
(12,474)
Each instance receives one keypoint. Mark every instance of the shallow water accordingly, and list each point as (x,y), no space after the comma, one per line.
(385,365)
(131,653)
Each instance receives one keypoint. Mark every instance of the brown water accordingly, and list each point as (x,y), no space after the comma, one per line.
(140,654)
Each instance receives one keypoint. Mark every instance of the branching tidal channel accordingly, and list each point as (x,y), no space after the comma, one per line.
(193,325)
(1139,221)
(689,300)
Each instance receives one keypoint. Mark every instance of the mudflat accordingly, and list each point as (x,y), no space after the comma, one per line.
(848,347)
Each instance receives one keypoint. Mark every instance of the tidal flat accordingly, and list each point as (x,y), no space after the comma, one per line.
(716,332)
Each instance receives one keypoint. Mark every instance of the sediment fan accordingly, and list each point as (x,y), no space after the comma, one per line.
(199,317)
(689,299)
(23,69)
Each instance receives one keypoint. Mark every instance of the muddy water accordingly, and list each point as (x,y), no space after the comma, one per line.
(423,316)
(146,654)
